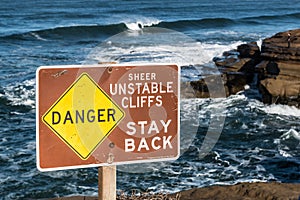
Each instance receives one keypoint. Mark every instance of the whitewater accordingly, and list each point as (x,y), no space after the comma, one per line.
(249,141)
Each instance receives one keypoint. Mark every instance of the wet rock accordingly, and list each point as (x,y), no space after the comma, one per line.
(238,67)
(277,67)
(210,87)
(226,61)
(236,82)
(272,68)
(249,50)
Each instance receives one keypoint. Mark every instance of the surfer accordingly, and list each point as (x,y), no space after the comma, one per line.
(140,25)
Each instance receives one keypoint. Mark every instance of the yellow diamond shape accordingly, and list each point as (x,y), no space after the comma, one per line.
(83,116)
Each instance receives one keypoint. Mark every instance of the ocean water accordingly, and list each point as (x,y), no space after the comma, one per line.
(249,141)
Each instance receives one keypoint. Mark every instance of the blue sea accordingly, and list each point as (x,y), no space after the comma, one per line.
(224,140)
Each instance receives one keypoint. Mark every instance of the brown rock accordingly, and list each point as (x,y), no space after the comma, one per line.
(272,68)
(226,61)
(249,50)
(250,191)
(247,191)
(210,87)
(238,66)
(282,86)
(236,82)
(277,46)
(187,91)
(277,67)
(268,68)
(289,68)
(279,72)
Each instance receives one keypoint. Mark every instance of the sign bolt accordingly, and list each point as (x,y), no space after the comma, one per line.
(111,145)
(109,69)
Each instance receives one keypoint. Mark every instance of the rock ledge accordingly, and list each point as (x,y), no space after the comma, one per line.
(273,69)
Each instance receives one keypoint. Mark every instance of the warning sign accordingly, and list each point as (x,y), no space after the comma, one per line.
(100,115)
(83,116)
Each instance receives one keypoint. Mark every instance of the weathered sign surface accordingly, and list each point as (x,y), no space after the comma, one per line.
(106,115)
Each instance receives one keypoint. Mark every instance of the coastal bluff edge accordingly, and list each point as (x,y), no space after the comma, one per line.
(246,191)
(273,69)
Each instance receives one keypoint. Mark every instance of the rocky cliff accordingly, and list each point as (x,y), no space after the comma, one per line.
(279,72)
(276,66)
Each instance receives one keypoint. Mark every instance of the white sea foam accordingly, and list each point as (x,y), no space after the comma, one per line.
(153,44)
(139,22)
(292,133)
(279,109)
(21,93)
(259,43)
(37,36)
(216,49)
(284,153)
(160,53)
(288,143)
(282,110)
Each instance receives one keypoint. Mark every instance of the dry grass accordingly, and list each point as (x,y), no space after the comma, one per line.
(146,196)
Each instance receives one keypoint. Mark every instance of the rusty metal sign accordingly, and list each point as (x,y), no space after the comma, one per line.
(100,115)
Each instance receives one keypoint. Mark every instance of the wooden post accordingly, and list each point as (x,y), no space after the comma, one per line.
(107,183)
